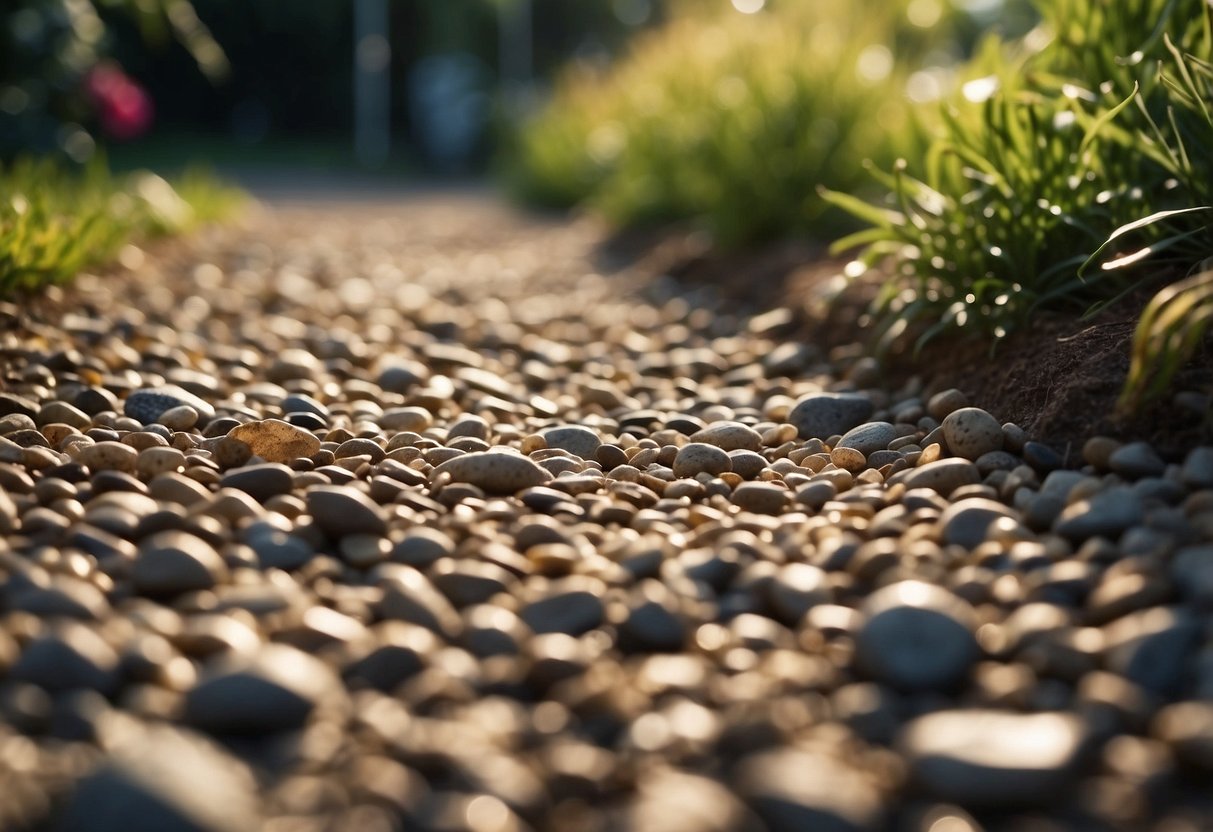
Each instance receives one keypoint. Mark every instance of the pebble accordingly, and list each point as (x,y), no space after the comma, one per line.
(339,511)
(1152,648)
(172,562)
(970,432)
(261,482)
(275,440)
(761,497)
(916,636)
(1197,471)
(965,522)
(495,472)
(69,655)
(107,456)
(1136,460)
(943,476)
(988,758)
(276,688)
(701,458)
(869,438)
(148,405)
(791,789)
(577,440)
(1106,514)
(822,415)
(1187,727)
(161,778)
(729,436)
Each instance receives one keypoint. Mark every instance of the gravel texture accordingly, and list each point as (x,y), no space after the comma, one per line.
(389,517)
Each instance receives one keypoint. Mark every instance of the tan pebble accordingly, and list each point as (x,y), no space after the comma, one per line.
(56,432)
(182,417)
(155,461)
(414,419)
(1098,451)
(761,498)
(931,453)
(943,476)
(848,459)
(109,455)
(495,472)
(275,440)
(729,436)
(971,432)
(231,453)
(38,458)
(141,439)
(946,402)
(533,442)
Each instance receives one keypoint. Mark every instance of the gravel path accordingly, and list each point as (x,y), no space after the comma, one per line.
(387,517)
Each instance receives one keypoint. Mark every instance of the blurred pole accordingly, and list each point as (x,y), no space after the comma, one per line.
(516,52)
(372,85)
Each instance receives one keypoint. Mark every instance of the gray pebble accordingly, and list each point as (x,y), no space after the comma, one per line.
(869,438)
(1136,460)
(729,436)
(577,440)
(149,404)
(916,636)
(965,523)
(943,476)
(340,510)
(701,458)
(822,415)
(172,562)
(970,432)
(277,688)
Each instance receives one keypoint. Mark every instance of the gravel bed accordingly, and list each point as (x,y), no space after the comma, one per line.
(404,517)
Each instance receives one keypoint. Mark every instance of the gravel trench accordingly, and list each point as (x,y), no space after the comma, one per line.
(402,516)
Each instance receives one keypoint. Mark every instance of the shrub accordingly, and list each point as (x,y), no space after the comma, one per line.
(733,120)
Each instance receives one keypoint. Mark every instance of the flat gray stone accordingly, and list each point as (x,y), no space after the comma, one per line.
(172,562)
(916,636)
(149,404)
(943,476)
(274,689)
(822,415)
(339,510)
(966,522)
(1106,514)
(575,439)
(68,656)
(869,438)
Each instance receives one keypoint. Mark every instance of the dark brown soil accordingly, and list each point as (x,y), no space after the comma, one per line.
(1059,380)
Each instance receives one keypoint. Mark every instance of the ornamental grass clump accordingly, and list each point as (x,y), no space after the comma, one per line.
(1068,160)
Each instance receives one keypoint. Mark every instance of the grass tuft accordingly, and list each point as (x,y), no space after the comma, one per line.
(54,222)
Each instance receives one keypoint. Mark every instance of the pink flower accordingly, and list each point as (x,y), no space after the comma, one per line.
(123,107)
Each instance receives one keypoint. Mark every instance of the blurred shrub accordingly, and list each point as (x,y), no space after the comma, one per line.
(55,221)
(735,119)
(57,84)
